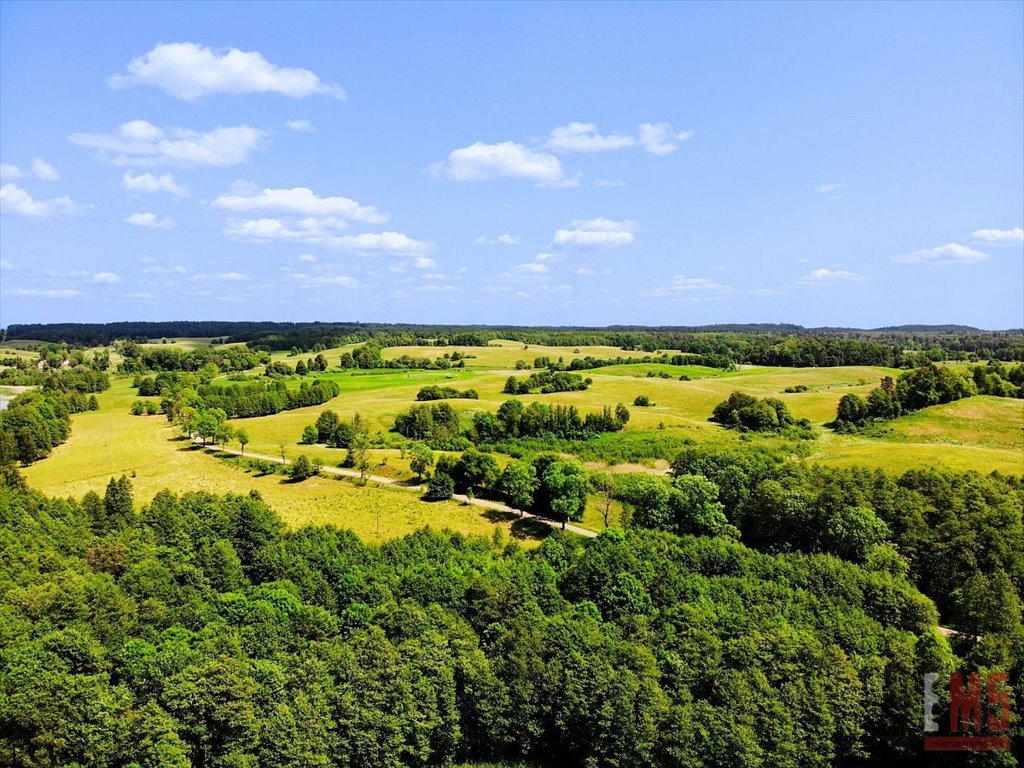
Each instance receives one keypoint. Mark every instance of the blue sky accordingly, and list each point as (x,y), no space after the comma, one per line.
(583,164)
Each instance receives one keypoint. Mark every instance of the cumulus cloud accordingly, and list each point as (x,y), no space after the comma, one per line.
(49,293)
(684,283)
(508,159)
(149,221)
(504,239)
(584,137)
(40,169)
(324,231)
(661,138)
(300,201)
(302,126)
(951,253)
(189,71)
(44,171)
(830,188)
(15,200)
(424,262)
(1014,236)
(231,277)
(595,233)
(323,281)
(139,142)
(158,269)
(105,278)
(829,277)
(307,257)
(147,183)
(531,268)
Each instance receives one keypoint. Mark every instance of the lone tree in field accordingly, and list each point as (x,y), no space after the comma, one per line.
(243,439)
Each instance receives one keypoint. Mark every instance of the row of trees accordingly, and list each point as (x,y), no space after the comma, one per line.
(37,421)
(926,386)
(440,425)
(435,392)
(265,398)
(144,359)
(197,630)
(545,382)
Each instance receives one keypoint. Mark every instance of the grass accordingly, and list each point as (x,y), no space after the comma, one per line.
(979,433)
(110,442)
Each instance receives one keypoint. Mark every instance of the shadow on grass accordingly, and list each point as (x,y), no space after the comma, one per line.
(522,527)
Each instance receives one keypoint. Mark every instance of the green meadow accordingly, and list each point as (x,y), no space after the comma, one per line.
(979,433)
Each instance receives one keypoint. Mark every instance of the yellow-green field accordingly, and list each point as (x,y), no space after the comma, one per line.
(979,433)
(110,442)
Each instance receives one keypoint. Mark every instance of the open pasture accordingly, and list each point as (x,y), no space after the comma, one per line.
(110,441)
(981,433)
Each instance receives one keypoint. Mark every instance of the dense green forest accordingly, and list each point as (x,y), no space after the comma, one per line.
(198,631)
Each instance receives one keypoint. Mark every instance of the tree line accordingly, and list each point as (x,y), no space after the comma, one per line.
(923,387)
(37,421)
(546,382)
(440,426)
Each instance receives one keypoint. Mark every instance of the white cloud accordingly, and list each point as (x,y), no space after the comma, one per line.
(596,233)
(105,278)
(661,138)
(190,71)
(147,183)
(156,269)
(584,137)
(608,183)
(590,271)
(435,288)
(829,277)
(302,126)
(44,171)
(138,296)
(40,169)
(141,143)
(231,277)
(322,280)
(307,257)
(830,188)
(1014,236)
(5,264)
(150,221)
(508,159)
(682,283)
(951,253)
(14,199)
(504,239)
(531,268)
(300,201)
(424,262)
(324,231)
(50,293)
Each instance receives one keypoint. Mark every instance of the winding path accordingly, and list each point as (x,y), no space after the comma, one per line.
(485,503)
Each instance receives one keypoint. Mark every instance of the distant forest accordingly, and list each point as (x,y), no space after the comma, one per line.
(719,345)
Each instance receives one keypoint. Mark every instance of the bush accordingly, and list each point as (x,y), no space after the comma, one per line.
(642,401)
